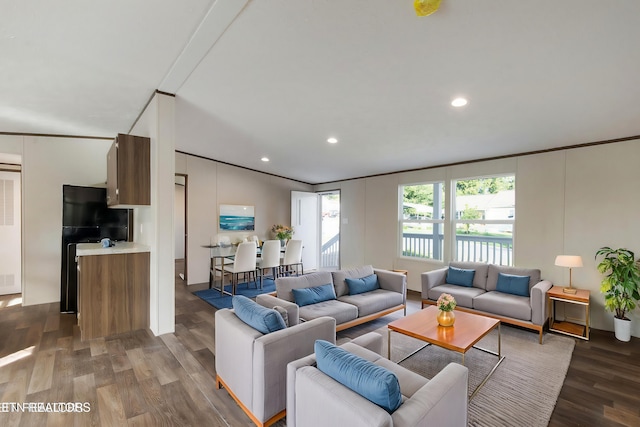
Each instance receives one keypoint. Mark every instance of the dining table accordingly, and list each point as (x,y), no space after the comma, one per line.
(218,254)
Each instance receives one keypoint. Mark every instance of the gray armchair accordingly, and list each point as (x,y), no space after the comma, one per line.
(315,399)
(252,367)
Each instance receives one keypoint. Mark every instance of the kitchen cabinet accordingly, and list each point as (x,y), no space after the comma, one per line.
(113,289)
(129,171)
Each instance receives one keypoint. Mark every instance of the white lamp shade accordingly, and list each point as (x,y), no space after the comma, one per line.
(569,261)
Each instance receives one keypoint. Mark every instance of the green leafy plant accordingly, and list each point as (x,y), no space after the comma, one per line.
(621,281)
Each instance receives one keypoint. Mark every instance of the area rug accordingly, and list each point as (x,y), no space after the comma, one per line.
(524,388)
(249,290)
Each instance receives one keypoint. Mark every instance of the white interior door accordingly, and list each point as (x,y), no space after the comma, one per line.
(304,218)
(10,239)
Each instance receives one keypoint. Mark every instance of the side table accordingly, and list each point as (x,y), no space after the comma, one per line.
(581,297)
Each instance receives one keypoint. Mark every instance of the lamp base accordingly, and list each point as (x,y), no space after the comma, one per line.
(569,290)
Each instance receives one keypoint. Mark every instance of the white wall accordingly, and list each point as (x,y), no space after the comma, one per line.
(567,202)
(211,184)
(602,207)
(47,164)
(153,225)
(352,216)
(11,144)
(540,208)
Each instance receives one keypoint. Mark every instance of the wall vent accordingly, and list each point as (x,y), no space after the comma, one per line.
(7,281)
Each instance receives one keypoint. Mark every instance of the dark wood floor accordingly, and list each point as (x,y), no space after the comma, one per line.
(138,379)
(602,387)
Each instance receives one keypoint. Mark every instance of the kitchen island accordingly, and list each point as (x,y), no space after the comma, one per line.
(113,288)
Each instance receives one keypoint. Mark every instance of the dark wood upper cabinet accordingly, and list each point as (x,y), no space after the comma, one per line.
(129,171)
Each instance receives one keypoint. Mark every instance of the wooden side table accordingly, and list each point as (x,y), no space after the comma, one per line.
(581,297)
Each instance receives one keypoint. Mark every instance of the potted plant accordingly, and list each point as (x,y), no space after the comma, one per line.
(282,232)
(446,303)
(619,286)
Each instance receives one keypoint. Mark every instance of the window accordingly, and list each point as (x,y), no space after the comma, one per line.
(421,220)
(484,219)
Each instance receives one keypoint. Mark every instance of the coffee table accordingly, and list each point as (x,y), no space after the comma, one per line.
(468,329)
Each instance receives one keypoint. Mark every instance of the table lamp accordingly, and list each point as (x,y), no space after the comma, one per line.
(570,261)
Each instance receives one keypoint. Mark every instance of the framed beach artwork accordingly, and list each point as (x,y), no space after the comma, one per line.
(237,218)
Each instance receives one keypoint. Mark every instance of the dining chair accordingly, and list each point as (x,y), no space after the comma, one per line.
(244,263)
(292,257)
(270,258)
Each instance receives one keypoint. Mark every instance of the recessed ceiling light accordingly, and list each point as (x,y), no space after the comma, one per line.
(332,140)
(459,102)
(265,159)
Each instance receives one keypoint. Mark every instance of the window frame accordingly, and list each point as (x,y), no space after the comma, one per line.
(440,221)
(455,221)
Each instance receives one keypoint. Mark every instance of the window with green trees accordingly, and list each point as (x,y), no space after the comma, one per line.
(421,221)
(484,219)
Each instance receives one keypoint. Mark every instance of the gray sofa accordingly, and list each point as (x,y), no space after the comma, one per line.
(348,310)
(315,399)
(252,367)
(526,311)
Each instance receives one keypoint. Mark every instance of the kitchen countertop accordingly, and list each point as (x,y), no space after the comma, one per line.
(84,249)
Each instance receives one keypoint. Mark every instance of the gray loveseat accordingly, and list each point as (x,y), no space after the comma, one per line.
(315,399)
(482,297)
(348,310)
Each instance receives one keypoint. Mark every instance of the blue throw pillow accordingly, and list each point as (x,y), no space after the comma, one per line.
(362,285)
(512,284)
(258,317)
(375,383)
(460,276)
(307,296)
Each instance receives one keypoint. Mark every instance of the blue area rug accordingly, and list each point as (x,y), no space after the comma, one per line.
(216,299)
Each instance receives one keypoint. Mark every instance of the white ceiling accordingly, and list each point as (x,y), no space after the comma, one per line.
(276,78)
